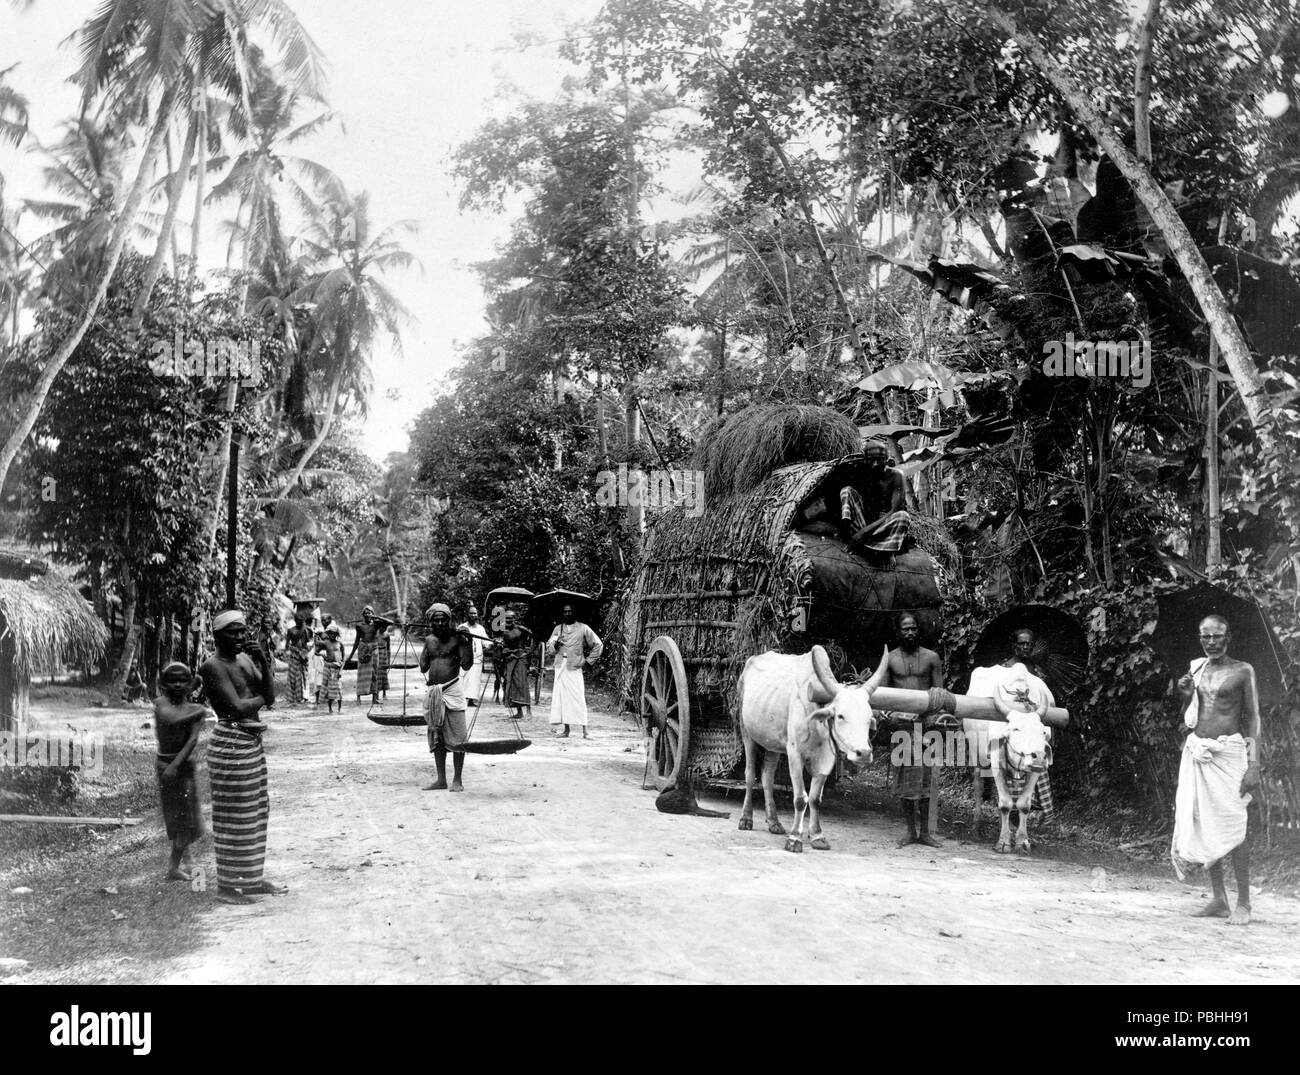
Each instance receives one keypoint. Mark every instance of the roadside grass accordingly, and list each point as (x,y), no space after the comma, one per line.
(98,910)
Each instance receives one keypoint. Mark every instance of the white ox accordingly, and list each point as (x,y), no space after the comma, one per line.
(794,704)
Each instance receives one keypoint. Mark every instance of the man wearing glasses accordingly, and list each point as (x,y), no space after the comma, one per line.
(1219,767)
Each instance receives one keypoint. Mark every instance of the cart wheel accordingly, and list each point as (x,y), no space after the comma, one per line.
(666,709)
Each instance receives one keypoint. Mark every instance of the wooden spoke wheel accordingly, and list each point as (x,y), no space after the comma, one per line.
(666,710)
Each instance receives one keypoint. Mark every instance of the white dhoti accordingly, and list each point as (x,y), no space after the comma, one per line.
(568,695)
(315,674)
(471,681)
(1209,809)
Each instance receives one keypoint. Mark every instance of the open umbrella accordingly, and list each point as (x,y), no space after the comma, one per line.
(547,609)
(1176,638)
(1062,643)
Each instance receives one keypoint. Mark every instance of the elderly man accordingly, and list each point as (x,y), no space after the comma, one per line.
(239,684)
(575,646)
(1219,768)
(913,667)
(985,683)
(447,654)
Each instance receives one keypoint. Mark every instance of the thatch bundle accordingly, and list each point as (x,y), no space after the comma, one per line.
(48,623)
(738,451)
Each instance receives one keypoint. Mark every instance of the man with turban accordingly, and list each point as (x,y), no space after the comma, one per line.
(446,656)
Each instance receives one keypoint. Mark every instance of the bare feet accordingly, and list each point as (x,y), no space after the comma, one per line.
(457,786)
(905,841)
(437,785)
(1216,908)
(928,840)
(266,888)
(563,735)
(584,734)
(1240,915)
(176,874)
(233,896)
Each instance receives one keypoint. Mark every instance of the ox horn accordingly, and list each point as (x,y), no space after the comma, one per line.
(878,677)
(825,678)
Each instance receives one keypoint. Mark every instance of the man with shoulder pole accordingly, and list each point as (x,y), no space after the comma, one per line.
(1219,769)
(239,684)
(447,654)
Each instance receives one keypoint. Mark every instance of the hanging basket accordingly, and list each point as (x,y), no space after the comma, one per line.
(496,746)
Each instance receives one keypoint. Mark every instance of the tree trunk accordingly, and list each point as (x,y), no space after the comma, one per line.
(335,385)
(635,512)
(128,634)
(175,189)
(60,357)
(1142,81)
(218,496)
(1182,246)
(196,229)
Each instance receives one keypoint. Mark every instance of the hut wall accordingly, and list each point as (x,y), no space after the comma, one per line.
(15,701)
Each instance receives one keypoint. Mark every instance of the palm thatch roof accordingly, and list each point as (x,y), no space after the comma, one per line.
(49,623)
(739,450)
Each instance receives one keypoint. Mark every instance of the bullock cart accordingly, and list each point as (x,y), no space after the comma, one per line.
(762,569)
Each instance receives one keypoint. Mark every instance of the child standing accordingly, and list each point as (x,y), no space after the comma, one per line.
(177,723)
(331,648)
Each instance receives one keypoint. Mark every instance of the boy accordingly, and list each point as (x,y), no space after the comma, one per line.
(177,723)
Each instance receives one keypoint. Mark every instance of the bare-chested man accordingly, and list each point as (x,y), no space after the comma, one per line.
(913,667)
(239,684)
(446,654)
(1219,768)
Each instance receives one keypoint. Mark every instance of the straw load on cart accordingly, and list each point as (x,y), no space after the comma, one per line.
(763,568)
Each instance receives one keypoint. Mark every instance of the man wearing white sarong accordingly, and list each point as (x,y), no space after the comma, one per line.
(471,681)
(574,645)
(1219,768)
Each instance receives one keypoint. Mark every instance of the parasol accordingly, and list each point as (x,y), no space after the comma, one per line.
(1061,652)
(1176,637)
(503,597)
(547,609)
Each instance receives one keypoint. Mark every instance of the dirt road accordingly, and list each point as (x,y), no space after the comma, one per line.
(554,866)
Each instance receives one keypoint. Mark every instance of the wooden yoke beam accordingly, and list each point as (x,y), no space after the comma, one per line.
(969,706)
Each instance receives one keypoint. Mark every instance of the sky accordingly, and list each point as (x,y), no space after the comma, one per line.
(409,81)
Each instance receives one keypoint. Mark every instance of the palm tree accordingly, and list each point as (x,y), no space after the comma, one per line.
(152,51)
(13,111)
(353,305)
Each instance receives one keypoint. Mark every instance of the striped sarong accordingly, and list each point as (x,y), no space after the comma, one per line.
(297,662)
(332,690)
(365,669)
(885,534)
(382,656)
(240,805)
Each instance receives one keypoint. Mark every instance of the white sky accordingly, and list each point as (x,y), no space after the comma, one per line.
(410,80)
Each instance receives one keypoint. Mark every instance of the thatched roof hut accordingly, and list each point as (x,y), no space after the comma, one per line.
(754,573)
(44,623)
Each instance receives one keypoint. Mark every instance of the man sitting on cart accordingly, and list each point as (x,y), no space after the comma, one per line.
(872,513)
